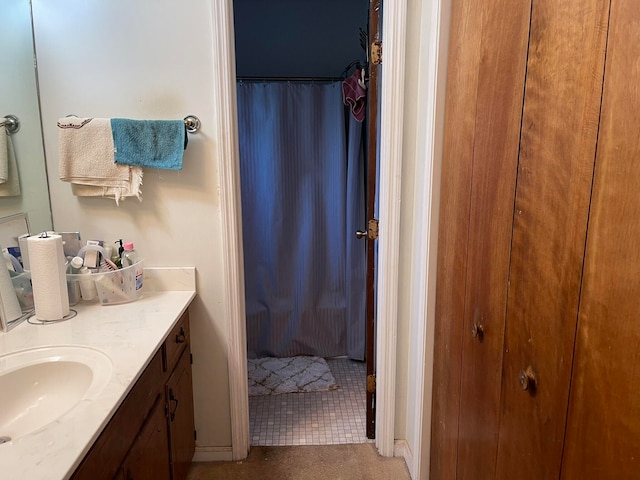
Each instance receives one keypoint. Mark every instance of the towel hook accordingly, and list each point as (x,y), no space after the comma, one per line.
(192,123)
(11,123)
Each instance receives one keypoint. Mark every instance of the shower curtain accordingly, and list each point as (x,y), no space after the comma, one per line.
(302,186)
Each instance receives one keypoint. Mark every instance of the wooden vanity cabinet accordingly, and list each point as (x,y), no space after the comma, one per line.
(179,400)
(179,395)
(148,457)
(152,434)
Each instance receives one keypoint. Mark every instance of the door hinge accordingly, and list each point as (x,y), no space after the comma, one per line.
(191,358)
(376,52)
(372,229)
(371,383)
(195,434)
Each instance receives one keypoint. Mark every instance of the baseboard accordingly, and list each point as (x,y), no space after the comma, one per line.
(401,449)
(213,454)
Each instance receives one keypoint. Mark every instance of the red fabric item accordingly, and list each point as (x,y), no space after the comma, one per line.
(354,94)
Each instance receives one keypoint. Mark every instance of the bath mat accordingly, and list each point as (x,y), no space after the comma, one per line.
(274,376)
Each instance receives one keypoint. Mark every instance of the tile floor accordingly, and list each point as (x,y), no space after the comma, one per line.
(316,418)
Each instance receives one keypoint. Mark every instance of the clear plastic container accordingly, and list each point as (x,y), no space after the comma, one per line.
(24,290)
(73,288)
(118,286)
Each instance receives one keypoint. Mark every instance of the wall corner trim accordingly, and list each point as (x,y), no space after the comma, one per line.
(226,146)
(391,127)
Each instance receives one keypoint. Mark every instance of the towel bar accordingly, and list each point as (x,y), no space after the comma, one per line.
(192,123)
(12,124)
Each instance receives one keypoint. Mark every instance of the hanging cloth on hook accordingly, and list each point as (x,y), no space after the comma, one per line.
(354,93)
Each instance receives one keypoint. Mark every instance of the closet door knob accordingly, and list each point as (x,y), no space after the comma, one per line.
(527,380)
(477,330)
(361,234)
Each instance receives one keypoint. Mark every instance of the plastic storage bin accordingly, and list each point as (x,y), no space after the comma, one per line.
(119,286)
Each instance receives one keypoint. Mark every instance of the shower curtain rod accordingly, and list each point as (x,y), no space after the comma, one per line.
(289,79)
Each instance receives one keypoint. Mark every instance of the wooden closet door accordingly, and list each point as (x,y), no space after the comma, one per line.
(555,172)
(453,234)
(484,109)
(603,433)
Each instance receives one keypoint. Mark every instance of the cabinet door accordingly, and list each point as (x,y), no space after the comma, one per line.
(148,458)
(181,425)
(603,433)
(109,451)
(555,171)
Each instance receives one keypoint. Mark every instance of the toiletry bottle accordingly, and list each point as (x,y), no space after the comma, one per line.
(129,255)
(73,286)
(87,285)
(129,258)
(117,256)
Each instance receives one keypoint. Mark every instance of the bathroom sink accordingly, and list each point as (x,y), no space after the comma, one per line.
(40,385)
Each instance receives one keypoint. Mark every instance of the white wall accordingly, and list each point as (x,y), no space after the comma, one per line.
(147,59)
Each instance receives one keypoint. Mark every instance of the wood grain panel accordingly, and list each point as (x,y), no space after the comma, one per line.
(557,156)
(107,453)
(462,78)
(371,195)
(179,394)
(503,52)
(603,433)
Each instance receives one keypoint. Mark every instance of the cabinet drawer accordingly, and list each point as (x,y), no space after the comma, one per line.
(110,449)
(176,341)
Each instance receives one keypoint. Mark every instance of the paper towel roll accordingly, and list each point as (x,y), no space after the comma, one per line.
(47,262)
(8,299)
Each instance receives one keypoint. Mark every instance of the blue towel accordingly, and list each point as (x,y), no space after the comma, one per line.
(149,143)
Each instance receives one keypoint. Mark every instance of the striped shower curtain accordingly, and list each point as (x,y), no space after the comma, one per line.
(302,178)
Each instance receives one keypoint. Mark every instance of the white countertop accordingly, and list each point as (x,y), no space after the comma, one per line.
(129,334)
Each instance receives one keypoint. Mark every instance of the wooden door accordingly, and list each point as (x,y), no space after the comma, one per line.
(509,273)
(557,155)
(603,432)
(484,108)
(375,7)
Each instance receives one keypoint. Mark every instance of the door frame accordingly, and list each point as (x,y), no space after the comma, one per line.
(226,150)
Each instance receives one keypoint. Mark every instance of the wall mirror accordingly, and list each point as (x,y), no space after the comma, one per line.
(19,97)
(30,210)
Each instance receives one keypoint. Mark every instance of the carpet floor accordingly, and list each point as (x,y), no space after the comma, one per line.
(323,462)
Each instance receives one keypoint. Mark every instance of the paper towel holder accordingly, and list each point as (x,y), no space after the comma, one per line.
(33,320)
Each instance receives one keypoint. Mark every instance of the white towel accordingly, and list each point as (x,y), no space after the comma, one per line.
(9,178)
(86,154)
